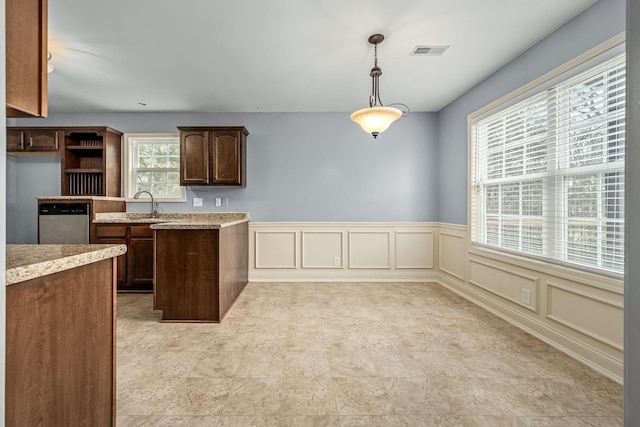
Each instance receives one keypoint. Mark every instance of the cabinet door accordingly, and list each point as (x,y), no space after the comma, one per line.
(194,157)
(140,252)
(26,58)
(15,140)
(42,140)
(227,158)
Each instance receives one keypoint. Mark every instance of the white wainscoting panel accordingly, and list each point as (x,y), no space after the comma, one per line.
(452,253)
(275,249)
(577,312)
(505,281)
(320,249)
(369,249)
(414,249)
(598,317)
(366,251)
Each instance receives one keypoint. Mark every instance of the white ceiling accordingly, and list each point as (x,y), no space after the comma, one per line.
(282,55)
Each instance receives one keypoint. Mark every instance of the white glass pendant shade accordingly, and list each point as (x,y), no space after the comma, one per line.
(374,120)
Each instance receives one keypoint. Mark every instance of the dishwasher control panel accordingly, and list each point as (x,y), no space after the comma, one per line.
(63,209)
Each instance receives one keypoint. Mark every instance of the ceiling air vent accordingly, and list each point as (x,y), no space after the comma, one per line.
(429,50)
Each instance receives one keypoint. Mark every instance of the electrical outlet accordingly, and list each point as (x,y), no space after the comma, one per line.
(225,202)
(526,296)
(197,202)
(218,201)
(336,261)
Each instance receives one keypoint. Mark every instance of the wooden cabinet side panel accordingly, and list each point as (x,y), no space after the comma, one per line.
(112,164)
(26,58)
(233,264)
(194,158)
(61,349)
(186,274)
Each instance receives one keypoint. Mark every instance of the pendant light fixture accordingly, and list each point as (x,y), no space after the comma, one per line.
(377,118)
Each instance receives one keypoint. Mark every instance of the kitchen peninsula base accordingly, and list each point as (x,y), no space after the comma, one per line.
(60,337)
(199,272)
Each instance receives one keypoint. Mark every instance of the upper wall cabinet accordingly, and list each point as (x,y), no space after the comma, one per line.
(34,140)
(26,58)
(91,161)
(213,155)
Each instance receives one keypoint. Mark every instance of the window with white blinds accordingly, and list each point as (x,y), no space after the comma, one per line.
(547,174)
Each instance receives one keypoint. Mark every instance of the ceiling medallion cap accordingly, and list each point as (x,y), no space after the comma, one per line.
(376,38)
(375,71)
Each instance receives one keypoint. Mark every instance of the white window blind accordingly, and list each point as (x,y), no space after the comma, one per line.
(547,176)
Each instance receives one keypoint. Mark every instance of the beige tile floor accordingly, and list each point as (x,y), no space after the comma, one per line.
(349,354)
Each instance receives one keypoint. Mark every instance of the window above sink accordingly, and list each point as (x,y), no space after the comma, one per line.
(152,163)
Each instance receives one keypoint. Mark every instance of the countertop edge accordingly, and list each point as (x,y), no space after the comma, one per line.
(195,225)
(105,198)
(44,268)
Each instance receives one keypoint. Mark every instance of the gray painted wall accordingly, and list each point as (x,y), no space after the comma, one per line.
(10,200)
(28,178)
(632,236)
(603,20)
(300,167)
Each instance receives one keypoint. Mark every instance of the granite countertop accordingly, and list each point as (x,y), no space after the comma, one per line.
(176,221)
(26,262)
(117,199)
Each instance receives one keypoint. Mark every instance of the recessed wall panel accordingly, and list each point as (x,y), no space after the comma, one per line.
(597,317)
(321,249)
(452,254)
(505,281)
(275,249)
(369,249)
(414,249)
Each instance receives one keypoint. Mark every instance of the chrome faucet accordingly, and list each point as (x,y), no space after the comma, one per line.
(154,205)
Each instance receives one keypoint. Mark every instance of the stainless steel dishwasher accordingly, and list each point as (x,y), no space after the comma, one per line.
(63,223)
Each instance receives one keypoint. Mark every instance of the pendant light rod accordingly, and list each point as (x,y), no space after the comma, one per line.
(376,72)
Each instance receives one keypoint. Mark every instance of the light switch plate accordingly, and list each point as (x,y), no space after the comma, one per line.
(218,201)
(197,202)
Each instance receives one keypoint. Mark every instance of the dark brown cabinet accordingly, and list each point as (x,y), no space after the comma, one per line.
(26,58)
(211,156)
(34,140)
(135,268)
(91,162)
(200,272)
(61,348)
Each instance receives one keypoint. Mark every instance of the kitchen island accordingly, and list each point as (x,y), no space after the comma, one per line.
(200,265)
(60,337)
